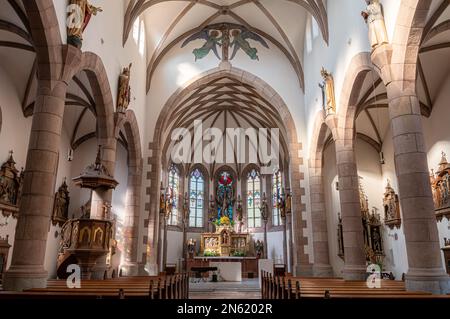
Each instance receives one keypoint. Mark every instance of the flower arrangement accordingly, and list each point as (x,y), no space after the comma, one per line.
(211,254)
(238,253)
(224,221)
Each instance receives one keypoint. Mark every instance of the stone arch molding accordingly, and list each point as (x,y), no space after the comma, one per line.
(267,92)
(128,123)
(342,127)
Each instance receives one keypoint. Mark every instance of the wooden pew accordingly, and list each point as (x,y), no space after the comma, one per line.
(306,287)
(154,287)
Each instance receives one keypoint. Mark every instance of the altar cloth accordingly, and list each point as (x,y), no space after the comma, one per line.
(228,271)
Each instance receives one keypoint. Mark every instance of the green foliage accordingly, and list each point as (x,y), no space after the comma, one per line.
(239,254)
(210,254)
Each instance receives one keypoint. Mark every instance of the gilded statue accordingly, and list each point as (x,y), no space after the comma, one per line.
(375,20)
(124,98)
(329,102)
(79,15)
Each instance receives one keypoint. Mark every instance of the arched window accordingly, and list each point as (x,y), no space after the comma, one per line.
(225,194)
(174,186)
(136,26)
(142,39)
(196,198)
(253,199)
(276,192)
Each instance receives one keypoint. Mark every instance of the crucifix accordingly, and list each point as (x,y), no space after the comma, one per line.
(225,29)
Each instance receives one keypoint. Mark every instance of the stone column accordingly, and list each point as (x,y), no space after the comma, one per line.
(290,245)
(355,259)
(285,249)
(426,272)
(160,239)
(27,264)
(131,223)
(321,266)
(164,257)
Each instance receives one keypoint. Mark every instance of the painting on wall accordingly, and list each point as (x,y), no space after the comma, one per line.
(226,36)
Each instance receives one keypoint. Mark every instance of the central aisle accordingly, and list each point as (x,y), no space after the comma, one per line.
(247,289)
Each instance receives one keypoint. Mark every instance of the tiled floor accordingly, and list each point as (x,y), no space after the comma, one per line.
(247,289)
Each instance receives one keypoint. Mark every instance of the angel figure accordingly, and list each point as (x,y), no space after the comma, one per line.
(212,41)
(240,42)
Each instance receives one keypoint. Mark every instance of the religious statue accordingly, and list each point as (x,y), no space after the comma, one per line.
(376,239)
(212,209)
(264,209)
(191,244)
(11,181)
(391,207)
(79,15)
(440,187)
(288,202)
(123,100)
(225,238)
(375,20)
(340,237)
(61,205)
(239,215)
(259,248)
(329,103)
(240,42)
(106,210)
(162,203)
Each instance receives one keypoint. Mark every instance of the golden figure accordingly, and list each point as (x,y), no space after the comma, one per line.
(123,100)
(375,20)
(329,96)
(79,15)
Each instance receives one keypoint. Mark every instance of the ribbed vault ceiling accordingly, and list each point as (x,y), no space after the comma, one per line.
(225,103)
(281,22)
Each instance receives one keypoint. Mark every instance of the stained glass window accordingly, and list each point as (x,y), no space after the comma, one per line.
(196,198)
(225,196)
(276,191)
(174,185)
(253,199)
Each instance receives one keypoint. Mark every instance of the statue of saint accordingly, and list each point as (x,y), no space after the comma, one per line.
(191,247)
(259,248)
(328,87)
(375,20)
(123,100)
(61,205)
(79,16)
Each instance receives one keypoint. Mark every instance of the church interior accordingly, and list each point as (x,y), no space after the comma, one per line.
(240,149)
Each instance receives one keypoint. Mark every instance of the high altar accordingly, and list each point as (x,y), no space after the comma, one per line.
(224,243)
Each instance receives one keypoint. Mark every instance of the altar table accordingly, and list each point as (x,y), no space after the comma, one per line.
(248,266)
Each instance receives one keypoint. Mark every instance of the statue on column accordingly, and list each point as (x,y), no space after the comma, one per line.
(124,97)
(239,215)
(375,20)
(259,248)
(79,15)
(328,92)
